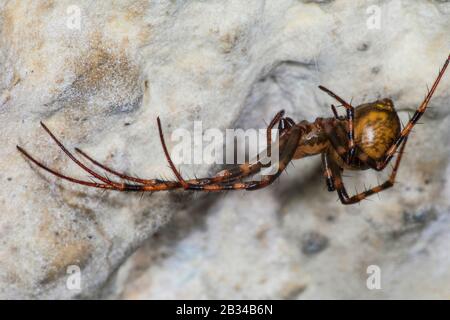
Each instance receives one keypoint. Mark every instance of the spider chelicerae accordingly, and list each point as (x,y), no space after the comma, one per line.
(368,137)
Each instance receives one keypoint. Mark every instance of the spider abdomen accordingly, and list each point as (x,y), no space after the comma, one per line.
(377,126)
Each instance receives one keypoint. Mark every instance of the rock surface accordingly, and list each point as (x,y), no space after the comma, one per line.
(99,80)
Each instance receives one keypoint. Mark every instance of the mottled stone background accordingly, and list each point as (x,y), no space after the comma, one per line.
(98,73)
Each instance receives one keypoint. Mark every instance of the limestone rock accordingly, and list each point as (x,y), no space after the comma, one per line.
(99,74)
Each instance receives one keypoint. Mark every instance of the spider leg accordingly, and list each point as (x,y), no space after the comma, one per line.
(327,172)
(286,156)
(164,185)
(278,117)
(86,183)
(335,113)
(224,175)
(380,165)
(247,169)
(74,159)
(120,175)
(350,120)
(107,183)
(148,185)
(231,173)
(337,134)
(180,179)
(342,192)
(283,126)
(237,172)
(287,153)
(290,121)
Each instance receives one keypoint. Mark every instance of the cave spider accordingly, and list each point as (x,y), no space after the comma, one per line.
(368,137)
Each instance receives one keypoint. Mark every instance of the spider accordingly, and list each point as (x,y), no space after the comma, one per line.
(368,137)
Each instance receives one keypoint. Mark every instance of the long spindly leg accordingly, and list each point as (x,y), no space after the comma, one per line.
(277,119)
(74,159)
(342,192)
(337,135)
(59,175)
(283,126)
(135,179)
(106,183)
(328,174)
(380,165)
(163,185)
(221,176)
(114,172)
(350,119)
(152,185)
(286,154)
(147,184)
(246,169)
(335,113)
(236,172)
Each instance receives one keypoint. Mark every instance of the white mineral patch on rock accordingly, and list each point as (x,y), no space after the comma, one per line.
(229,64)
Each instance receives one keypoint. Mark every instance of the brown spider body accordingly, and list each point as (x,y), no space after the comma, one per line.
(376,127)
(368,137)
(314,139)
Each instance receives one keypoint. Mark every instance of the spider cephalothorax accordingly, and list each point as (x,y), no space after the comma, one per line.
(368,137)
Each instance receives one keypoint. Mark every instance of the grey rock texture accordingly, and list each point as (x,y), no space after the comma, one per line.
(229,64)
